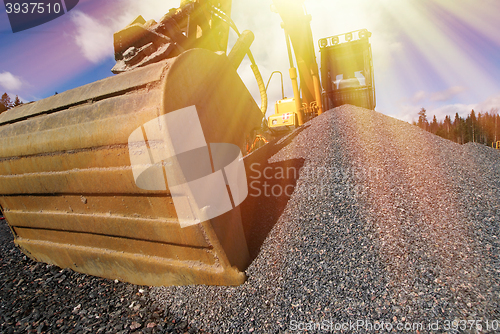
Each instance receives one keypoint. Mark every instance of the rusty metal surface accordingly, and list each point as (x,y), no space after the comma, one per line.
(129,267)
(102,123)
(67,188)
(113,243)
(158,230)
(94,91)
(150,206)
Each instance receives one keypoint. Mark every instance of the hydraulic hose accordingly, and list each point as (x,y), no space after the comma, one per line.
(262,88)
(255,69)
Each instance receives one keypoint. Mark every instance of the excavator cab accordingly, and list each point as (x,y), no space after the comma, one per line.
(347,70)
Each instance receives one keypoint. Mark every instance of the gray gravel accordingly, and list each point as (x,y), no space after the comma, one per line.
(41,298)
(387,224)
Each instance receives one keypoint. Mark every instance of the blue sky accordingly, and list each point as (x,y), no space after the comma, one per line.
(443,55)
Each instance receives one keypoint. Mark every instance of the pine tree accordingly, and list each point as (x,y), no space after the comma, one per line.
(422,119)
(459,134)
(447,126)
(471,123)
(6,101)
(17,101)
(434,127)
(495,113)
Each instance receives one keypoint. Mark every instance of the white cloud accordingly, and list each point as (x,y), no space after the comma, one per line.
(94,38)
(447,94)
(9,81)
(450,110)
(94,35)
(491,103)
(409,112)
(418,97)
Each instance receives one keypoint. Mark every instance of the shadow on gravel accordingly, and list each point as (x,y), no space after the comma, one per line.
(270,186)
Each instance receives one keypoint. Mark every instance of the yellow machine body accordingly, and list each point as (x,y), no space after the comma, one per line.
(67,188)
(285,116)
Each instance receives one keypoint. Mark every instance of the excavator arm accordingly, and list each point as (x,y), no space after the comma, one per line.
(195,24)
(296,23)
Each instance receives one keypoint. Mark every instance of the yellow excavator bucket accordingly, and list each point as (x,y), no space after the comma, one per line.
(68,188)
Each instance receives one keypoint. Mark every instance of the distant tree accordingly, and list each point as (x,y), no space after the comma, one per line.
(459,129)
(445,128)
(448,127)
(17,101)
(434,126)
(472,126)
(422,119)
(483,128)
(494,113)
(2,108)
(6,101)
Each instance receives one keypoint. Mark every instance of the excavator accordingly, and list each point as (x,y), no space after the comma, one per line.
(346,75)
(139,176)
(347,70)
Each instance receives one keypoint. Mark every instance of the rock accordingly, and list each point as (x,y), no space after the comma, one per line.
(135,325)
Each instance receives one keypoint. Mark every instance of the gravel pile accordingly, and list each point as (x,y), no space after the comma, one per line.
(353,220)
(387,224)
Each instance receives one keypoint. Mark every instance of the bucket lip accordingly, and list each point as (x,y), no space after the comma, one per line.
(113,85)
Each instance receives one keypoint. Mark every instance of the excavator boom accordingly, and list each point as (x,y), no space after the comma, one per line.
(297,26)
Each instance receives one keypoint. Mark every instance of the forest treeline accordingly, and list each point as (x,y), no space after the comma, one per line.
(6,102)
(483,128)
